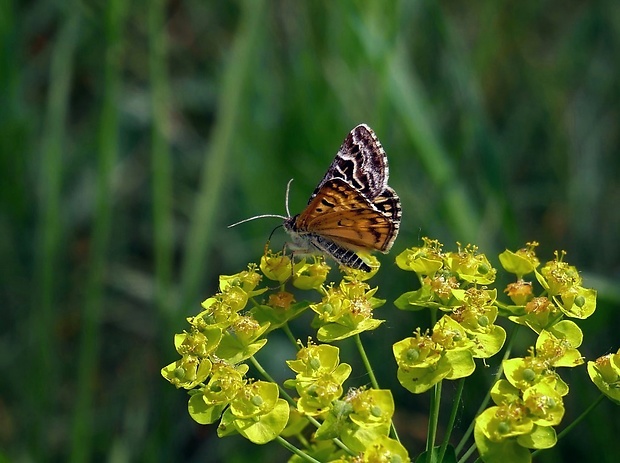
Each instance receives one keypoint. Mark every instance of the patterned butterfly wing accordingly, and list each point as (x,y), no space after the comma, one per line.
(361,162)
(343,215)
(388,203)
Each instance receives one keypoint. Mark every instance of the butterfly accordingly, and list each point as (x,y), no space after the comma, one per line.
(351,209)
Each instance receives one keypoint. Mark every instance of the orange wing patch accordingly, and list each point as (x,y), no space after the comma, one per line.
(344,215)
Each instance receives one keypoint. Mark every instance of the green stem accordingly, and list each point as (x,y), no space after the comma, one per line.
(433,312)
(432,422)
(301,438)
(322,291)
(290,335)
(487,397)
(468,453)
(578,420)
(452,420)
(300,453)
(268,377)
(373,379)
(371,374)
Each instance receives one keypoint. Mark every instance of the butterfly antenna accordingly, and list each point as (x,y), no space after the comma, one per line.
(276,216)
(288,188)
(262,216)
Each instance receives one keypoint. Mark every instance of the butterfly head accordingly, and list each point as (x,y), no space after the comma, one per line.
(289,223)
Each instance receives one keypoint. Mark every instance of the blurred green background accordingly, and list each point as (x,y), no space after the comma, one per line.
(132,133)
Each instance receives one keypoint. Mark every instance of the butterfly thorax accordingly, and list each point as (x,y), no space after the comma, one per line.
(299,238)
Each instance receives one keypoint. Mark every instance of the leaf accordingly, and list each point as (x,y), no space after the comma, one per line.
(542,437)
(233,351)
(336,332)
(449,456)
(202,413)
(278,317)
(507,450)
(267,427)
(415,300)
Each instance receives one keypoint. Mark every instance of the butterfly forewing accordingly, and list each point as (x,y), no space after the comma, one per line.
(361,162)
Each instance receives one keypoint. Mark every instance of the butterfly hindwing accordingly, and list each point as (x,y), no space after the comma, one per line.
(388,203)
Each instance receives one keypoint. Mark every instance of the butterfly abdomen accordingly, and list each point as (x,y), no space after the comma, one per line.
(343,256)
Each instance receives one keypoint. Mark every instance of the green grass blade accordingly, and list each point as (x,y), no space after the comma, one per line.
(160,157)
(230,110)
(49,227)
(90,341)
